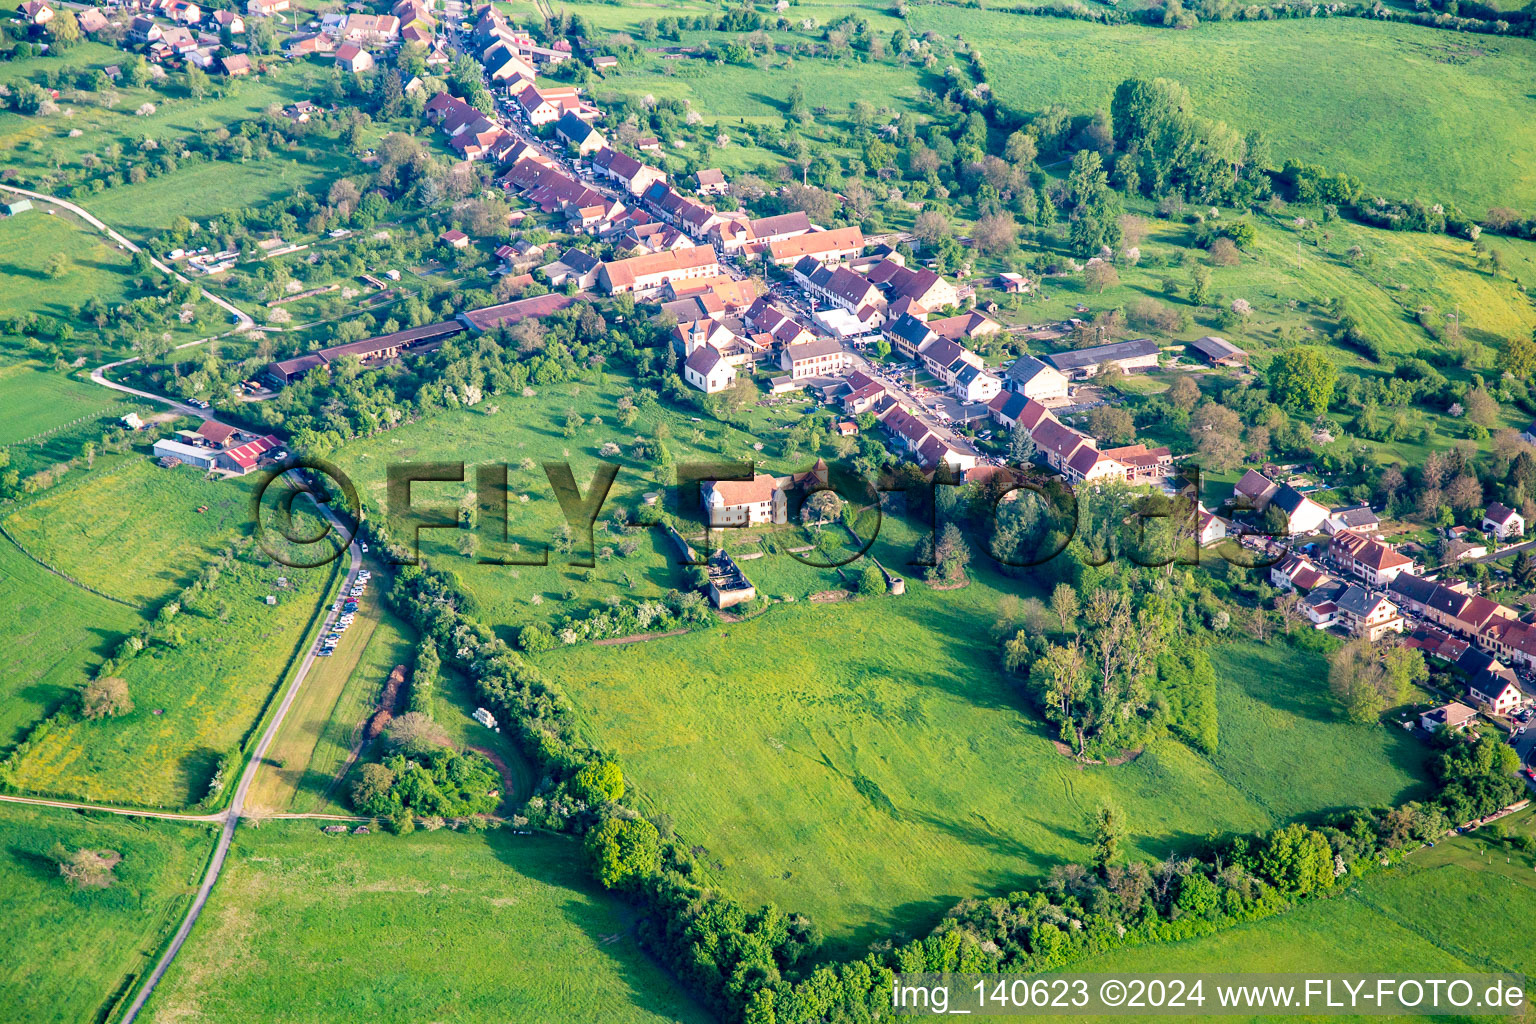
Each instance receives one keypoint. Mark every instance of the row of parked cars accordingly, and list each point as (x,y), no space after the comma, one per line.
(348,608)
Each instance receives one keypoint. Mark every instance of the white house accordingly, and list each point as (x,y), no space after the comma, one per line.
(1503,522)
(744,502)
(1034,379)
(707,370)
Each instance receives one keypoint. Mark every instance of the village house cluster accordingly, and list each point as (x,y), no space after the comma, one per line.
(1370,588)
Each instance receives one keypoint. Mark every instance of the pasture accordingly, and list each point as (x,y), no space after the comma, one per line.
(433,926)
(525,432)
(92,267)
(1458,907)
(86,946)
(1345,93)
(198,694)
(868,762)
(48,415)
(37,144)
(131,529)
(57,632)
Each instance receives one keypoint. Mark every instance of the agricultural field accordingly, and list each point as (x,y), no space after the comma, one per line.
(89,126)
(49,416)
(58,632)
(132,529)
(53,263)
(98,941)
(1290,273)
(438,926)
(1478,889)
(197,697)
(808,773)
(1313,86)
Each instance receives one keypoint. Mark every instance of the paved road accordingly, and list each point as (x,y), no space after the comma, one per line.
(242,321)
(98,376)
(232,816)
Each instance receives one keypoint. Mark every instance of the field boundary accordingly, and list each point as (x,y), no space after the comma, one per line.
(66,577)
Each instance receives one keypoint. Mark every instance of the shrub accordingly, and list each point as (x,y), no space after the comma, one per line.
(106,697)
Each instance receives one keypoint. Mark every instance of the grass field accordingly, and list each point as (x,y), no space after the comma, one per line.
(57,634)
(132,529)
(1289,274)
(1316,87)
(35,144)
(192,703)
(532,429)
(85,946)
(96,268)
(49,415)
(1460,907)
(306,928)
(320,726)
(874,779)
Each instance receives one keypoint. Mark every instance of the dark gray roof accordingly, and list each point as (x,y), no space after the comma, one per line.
(574,128)
(1288,498)
(1411,587)
(581,262)
(1356,515)
(1102,354)
(1025,369)
(1358,601)
(910,329)
(1214,348)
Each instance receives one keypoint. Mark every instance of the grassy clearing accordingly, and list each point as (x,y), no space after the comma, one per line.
(49,415)
(86,946)
(35,145)
(811,780)
(132,529)
(1314,86)
(1456,907)
(95,267)
(193,703)
(203,190)
(533,429)
(57,634)
(436,926)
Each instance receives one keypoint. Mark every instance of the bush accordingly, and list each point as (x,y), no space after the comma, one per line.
(623,851)
(106,697)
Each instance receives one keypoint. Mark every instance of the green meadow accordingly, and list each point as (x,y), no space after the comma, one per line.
(196,698)
(308,928)
(1414,112)
(523,433)
(87,126)
(869,763)
(49,416)
(88,945)
(57,632)
(1459,907)
(131,529)
(94,267)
